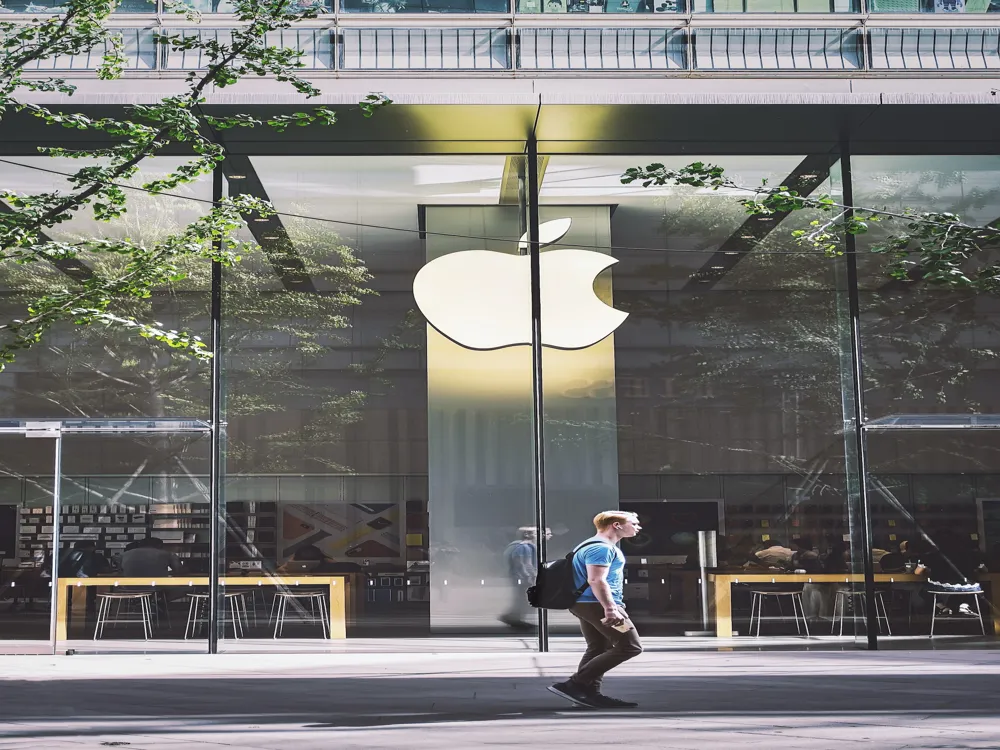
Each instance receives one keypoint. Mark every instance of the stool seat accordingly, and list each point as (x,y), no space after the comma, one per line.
(881,611)
(145,614)
(319,611)
(757,604)
(237,611)
(974,593)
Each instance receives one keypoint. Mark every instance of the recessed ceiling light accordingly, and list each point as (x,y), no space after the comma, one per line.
(270,236)
(718,268)
(237,177)
(731,252)
(261,219)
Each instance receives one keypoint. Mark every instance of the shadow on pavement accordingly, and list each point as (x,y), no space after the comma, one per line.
(177,705)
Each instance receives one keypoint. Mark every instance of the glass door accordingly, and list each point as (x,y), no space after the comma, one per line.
(27,466)
(135,530)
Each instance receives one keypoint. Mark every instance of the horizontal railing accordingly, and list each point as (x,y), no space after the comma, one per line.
(664,50)
(335,8)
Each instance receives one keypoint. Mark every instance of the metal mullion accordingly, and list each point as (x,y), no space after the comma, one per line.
(217,518)
(537,404)
(56,512)
(857,369)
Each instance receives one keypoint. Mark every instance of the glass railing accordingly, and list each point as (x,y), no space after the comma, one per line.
(536,7)
(663,49)
(41,7)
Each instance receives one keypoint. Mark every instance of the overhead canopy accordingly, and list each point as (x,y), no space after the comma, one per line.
(639,126)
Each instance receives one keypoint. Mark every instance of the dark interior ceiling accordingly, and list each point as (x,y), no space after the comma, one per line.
(608,129)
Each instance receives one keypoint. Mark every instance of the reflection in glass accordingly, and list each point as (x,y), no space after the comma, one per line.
(722,398)
(26,520)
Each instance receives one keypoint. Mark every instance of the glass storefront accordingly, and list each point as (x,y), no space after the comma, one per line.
(388,443)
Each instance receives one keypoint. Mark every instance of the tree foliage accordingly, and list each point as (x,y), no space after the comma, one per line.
(932,246)
(176,122)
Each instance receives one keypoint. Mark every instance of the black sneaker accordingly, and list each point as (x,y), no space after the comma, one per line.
(606,701)
(574,692)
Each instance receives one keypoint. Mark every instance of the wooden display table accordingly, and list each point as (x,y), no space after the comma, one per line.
(338,585)
(724,588)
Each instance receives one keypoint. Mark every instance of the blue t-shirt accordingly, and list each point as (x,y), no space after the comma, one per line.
(603,553)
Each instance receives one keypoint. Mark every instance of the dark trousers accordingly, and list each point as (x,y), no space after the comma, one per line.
(606,647)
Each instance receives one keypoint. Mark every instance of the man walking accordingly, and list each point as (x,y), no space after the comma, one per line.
(610,635)
(521,558)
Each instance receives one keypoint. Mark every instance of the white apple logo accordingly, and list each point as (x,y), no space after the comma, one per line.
(481,299)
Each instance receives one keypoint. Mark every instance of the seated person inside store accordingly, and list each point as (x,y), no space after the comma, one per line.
(948,562)
(84,561)
(149,559)
(799,556)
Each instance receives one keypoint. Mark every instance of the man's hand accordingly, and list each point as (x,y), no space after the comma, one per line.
(613,616)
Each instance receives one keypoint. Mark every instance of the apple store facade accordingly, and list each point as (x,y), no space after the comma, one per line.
(461,328)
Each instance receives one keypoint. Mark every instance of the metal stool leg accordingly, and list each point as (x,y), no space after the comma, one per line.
(795,615)
(279,615)
(982,625)
(101,616)
(933,614)
(325,611)
(802,609)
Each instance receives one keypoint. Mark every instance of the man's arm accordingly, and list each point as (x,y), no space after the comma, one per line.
(597,579)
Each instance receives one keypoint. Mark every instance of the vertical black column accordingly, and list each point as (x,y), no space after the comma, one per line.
(217,520)
(857,368)
(537,405)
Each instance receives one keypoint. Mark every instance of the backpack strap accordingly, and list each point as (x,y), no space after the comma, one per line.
(572,557)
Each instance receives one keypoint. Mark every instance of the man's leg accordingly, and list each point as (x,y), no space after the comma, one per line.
(597,644)
(624,646)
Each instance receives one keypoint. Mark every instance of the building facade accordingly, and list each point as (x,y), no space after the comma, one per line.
(787,425)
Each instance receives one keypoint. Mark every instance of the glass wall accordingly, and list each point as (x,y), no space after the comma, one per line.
(714,406)
(379,419)
(929,353)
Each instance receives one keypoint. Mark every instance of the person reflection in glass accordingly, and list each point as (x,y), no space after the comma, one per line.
(521,560)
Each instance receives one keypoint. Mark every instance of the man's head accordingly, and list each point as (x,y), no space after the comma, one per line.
(528,533)
(618,523)
(85,544)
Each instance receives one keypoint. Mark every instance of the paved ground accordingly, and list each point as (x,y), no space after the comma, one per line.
(703,700)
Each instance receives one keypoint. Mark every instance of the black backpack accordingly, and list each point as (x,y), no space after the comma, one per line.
(555,583)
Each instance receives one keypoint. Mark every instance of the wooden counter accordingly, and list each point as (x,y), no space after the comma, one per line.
(338,584)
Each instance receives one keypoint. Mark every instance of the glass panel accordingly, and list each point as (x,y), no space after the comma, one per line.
(927,350)
(26,467)
(425,49)
(56,6)
(936,524)
(135,542)
(933,6)
(601,6)
(363,444)
(80,372)
(715,406)
(222,6)
(424,6)
(776,6)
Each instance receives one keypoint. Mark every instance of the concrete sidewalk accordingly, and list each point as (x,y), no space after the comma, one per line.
(886,700)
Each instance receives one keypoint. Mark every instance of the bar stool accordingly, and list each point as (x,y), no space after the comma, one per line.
(316,601)
(975,594)
(757,603)
(142,598)
(255,593)
(235,605)
(858,599)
